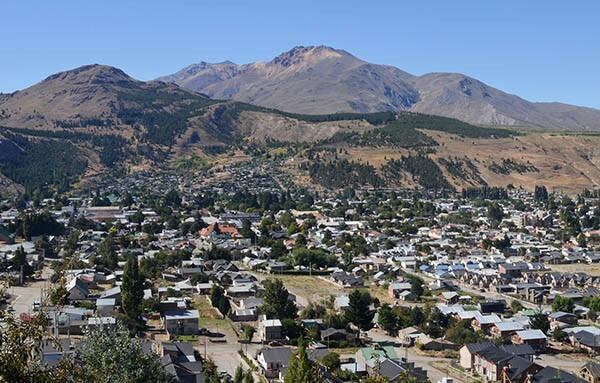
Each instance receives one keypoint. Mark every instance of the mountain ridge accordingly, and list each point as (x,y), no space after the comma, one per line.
(323,80)
(96,117)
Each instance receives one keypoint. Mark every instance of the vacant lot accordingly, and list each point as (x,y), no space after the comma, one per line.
(593,269)
(306,288)
(210,318)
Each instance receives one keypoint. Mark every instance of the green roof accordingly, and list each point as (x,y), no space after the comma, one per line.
(528,312)
(385,351)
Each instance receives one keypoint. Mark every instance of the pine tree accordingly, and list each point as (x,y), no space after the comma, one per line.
(275,301)
(358,311)
(301,369)
(387,320)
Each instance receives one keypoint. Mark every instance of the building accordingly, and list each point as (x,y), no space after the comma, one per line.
(535,338)
(182,322)
(77,290)
(269,329)
(590,372)
(273,360)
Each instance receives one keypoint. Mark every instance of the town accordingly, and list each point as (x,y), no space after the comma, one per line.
(239,276)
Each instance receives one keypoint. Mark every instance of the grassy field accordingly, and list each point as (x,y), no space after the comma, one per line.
(593,269)
(209,317)
(311,288)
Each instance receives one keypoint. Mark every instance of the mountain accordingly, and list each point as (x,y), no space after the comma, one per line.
(96,118)
(321,80)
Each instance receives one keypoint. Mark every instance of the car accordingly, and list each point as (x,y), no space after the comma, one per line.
(10,309)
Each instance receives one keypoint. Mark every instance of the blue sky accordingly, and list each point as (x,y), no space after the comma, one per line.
(541,50)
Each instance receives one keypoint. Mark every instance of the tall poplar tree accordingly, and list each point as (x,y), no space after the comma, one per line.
(132,290)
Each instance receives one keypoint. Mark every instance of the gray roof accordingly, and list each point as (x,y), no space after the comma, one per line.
(277,354)
(552,375)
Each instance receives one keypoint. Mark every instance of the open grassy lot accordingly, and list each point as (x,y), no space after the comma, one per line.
(306,288)
(593,269)
(209,316)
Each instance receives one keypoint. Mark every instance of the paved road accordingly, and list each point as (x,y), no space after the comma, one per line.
(23,296)
(225,355)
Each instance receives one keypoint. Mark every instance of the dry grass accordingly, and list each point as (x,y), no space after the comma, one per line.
(310,287)
(202,304)
(593,269)
(566,163)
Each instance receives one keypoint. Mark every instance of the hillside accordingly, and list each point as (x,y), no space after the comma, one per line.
(96,117)
(321,80)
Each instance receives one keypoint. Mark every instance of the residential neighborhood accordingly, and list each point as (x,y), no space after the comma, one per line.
(222,276)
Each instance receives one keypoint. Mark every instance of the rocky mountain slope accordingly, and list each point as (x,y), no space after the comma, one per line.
(96,117)
(320,80)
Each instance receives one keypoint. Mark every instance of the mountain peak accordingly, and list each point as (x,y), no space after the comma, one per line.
(308,54)
(91,74)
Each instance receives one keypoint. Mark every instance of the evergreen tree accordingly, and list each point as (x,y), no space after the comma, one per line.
(20,260)
(540,321)
(107,251)
(301,370)
(387,320)
(275,301)
(358,311)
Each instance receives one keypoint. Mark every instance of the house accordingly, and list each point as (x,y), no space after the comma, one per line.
(244,315)
(394,370)
(523,350)
(586,340)
(560,319)
(492,306)
(505,329)
(333,334)
(468,352)
(407,296)
(105,307)
(427,343)
(365,354)
(408,335)
(269,329)
(312,324)
(53,352)
(489,362)
(395,288)
(101,322)
(182,322)
(553,375)
(115,293)
(179,359)
(449,297)
(590,372)
(518,370)
(341,303)
(535,338)
(345,279)
(273,360)
(484,322)
(77,290)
